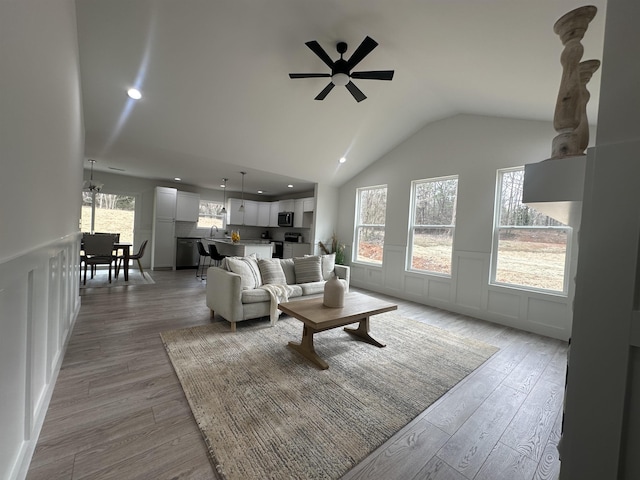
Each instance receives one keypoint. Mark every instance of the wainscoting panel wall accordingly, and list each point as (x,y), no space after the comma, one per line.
(468,292)
(39,303)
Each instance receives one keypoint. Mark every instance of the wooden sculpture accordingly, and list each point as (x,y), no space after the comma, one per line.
(570,119)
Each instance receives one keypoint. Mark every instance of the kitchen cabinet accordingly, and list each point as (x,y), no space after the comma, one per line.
(264,214)
(298,209)
(236,217)
(163,228)
(250,215)
(290,250)
(165,203)
(308,204)
(287,205)
(274,209)
(187,207)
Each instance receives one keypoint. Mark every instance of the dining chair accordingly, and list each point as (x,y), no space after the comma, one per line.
(98,250)
(135,256)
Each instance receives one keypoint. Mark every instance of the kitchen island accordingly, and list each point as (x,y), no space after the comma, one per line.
(241,248)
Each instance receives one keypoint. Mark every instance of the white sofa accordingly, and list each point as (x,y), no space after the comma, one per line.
(239,289)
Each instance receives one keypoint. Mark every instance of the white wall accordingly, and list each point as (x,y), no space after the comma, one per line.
(41,147)
(473,147)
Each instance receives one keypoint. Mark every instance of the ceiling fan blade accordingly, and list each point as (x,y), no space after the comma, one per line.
(319,51)
(365,48)
(374,75)
(325,91)
(356,92)
(308,75)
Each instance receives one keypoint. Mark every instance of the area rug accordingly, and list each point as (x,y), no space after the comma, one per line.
(101,279)
(266,412)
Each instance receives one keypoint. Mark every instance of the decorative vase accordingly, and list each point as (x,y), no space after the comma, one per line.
(334,293)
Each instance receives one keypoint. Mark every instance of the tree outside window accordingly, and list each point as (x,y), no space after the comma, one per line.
(529,248)
(113,214)
(371,210)
(432,226)
(211,215)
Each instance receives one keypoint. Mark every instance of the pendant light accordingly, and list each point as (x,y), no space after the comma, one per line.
(241,209)
(224,201)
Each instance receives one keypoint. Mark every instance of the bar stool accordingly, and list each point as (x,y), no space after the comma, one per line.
(203,253)
(216,256)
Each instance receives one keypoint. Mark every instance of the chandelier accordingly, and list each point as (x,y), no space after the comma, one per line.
(92,185)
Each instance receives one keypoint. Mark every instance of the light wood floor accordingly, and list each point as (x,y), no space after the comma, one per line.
(118,410)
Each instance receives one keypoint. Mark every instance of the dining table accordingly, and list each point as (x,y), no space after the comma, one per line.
(125,247)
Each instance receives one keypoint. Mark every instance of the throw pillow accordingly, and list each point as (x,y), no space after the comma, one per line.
(308,269)
(289,270)
(247,268)
(328,264)
(271,271)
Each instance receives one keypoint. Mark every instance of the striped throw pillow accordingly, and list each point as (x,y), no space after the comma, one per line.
(271,271)
(247,268)
(307,269)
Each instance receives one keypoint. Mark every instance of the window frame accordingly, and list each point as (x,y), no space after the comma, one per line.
(357,225)
(413,226)
(495,243)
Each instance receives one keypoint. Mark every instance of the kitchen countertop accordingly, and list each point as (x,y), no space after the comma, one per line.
(241,242)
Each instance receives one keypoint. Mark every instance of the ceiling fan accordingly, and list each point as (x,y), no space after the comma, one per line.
(341,69)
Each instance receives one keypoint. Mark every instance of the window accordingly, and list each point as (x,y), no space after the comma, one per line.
(211,215)
(433,220)
(529,248)
(112,214)
(371,209)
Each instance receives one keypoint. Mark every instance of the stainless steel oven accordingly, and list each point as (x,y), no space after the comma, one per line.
(278,249)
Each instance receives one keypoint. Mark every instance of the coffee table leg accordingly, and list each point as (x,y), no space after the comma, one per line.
(362,332)
(305,348)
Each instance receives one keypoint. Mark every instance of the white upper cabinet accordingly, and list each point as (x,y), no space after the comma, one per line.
(298,209)
(187,207)
(250,212)
(165,203)
(264,213)
(274,209)
(250,215)
(308,204)
(287,205)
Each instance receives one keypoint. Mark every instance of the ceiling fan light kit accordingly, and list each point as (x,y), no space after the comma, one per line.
(341,74)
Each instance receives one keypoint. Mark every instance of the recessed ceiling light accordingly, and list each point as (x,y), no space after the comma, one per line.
(290,186)
(259,191)
(134,93)
(342,160)
(177,179)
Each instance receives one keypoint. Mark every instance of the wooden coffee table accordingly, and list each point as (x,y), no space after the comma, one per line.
(317,318)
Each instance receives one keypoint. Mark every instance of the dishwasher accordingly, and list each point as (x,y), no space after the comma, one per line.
(187,255)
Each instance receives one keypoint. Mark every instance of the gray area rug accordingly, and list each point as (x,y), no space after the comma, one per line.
(101,279)
(266,412)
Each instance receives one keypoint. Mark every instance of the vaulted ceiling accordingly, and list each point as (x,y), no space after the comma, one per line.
(217,98)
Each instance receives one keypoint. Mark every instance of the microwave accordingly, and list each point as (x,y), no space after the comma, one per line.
(285,219)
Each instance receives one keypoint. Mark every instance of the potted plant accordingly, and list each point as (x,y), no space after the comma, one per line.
(334,247)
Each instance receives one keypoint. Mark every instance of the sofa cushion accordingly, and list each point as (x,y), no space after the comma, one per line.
(307,269)
(312,288)
(289,270)
(271,271)
(328,264)
(258,295)
(247,268)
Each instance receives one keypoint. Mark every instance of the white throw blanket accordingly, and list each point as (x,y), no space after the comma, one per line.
(278,294)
